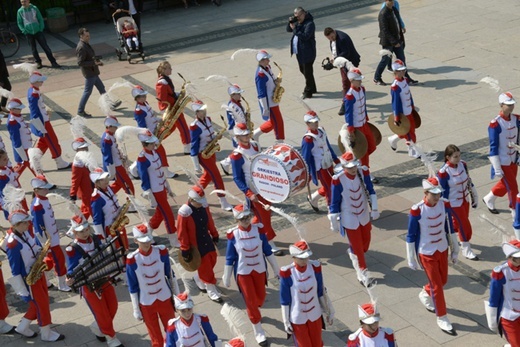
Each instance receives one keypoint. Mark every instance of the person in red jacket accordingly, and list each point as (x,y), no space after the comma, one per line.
(81,186)
(166,95)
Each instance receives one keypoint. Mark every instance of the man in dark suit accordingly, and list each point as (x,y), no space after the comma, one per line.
(341,45)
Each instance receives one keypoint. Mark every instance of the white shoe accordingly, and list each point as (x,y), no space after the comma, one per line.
(5,328)
(225,164)
(412,153)
(467,252)
(187,149)
(113,341)
(62,285)
(224,204)
(513,213)
(133,170)
(445,325)
(489,200)
(62,164)
(393,141)
(426,300)
(199,283)
(46,334)
(23,328)
(97,332)
(259,334)
(213,293)
(313,201)
(168,173)
(276,251)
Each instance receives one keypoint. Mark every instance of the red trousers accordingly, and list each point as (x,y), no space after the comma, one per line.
(159,310)
(161,152)
(411,134)
(359,240)
(122,181)
(461,223)
(4,309)
(104,309)
(263,216)
(205,271)
(49,141)
(184,130)
(511,331)
(39,305)
(308,334)
(345,82)
(371,142)
(19,168)
(436,268)
(211,173)
(163,211)
(325,178)
(507,184)
(275,122)
(56,259)
(252,287)
(86,208)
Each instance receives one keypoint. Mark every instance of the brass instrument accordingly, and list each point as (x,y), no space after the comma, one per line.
(39,266)
(213,147)
(121,220)
(249,123)
(278,89)
(172,113)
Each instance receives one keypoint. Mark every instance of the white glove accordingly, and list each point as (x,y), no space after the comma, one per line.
(19,286)
(375,212)
(98,230)
(334,221)
(475,196)
(454,248)
(174,240)
(148,195)
(495,162)
(196,165)
(329,316)
(37,123)
(21,153)
(491,315)
(410,255)
(135,306)
(454,257)
(274,265)
(286,322)
(226,277)
(264,108)
(112,171)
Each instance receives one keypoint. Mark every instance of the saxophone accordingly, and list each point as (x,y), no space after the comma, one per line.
(213,147)
(121,220)
(172,113)
(39,266)
(278,89)
(249,123)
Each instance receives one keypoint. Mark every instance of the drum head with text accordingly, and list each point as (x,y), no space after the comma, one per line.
(270,178)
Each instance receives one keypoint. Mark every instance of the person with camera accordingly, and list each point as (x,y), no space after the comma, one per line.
(89,64)
(341,45)
(303,44)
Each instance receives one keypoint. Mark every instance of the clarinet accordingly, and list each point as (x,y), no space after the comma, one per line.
(367,194)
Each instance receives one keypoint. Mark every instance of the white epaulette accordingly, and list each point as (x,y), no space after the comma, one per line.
(287,267)
(500,267)
(160,247)
(355,334)
(162,81)
(315,262)
(132,254)
(388,331)
(185,211)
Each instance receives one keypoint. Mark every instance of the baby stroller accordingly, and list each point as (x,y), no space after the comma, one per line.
(135,49)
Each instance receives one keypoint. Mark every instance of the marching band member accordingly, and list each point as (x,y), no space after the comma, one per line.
(302,297)
(22,252)
(370,333)
(197,229)
(202,133)
(113,159)
(457,185)
(354,203)
(320,158)
(105,206)
(503,308)
(81,186)
(189,329)
(402,106)
(20,135)
(155,186)
(5,328)
(146,118)
(40,121)
(430,232)
(356,115)
(8,176)
(236,342)
(247,250)
(165,91)
(502,131)
(103,303)
(265,85)
(44,224)
(241,166)
(235,114)
(151,284)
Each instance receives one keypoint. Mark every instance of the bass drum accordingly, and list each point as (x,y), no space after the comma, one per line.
(279,172)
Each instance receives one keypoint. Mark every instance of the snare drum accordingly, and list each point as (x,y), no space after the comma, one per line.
(279,172)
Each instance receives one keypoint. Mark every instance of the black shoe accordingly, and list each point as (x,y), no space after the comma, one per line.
(317,210)
(263,343)
(306,95)
(101,338)
(64,168)
(56,66)
(413,82)
(12,331)
(53,187)
(115,105)
(341,111)
(492,210)
(218,300)
(39,65)
(84,114)
(379,82)
(279,253)
(374,180)
(61,337)
(224,170)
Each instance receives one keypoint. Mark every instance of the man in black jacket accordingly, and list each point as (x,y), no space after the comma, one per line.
(341,45)
(4,81)
(390,38)
(303,44)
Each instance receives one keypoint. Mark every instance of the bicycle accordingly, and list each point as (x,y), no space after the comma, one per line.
(9,44)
